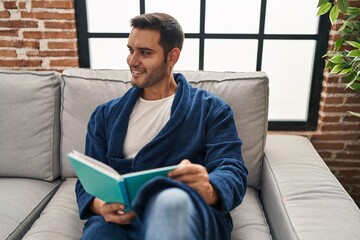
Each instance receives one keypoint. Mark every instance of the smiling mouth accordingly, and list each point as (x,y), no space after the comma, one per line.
(136,72)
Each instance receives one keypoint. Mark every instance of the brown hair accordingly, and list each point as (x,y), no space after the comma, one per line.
(171,33)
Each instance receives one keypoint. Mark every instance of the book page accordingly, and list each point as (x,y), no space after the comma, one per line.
(100,166)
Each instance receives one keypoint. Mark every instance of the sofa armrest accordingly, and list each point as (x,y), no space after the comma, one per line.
(301,198)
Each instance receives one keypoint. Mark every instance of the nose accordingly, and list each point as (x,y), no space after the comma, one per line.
(133,59)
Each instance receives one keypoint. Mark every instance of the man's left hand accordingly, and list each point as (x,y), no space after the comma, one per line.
(196,176)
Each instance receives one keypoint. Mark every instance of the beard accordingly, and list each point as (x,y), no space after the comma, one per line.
(155,76)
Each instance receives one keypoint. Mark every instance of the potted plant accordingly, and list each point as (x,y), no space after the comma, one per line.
(344,58)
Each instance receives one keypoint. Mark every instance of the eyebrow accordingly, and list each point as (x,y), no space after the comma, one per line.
(141,49)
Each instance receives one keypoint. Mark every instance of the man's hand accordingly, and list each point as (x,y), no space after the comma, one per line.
(196,176)
(113,212)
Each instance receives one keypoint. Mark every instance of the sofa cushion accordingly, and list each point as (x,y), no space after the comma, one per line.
(246,93)
(249,219)
(22,201)
(29,129)
(60,219)
(301,197)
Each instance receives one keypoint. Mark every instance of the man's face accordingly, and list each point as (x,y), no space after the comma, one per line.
(146,58)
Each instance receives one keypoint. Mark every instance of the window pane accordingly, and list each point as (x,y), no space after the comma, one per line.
(291,17)
(102,18)
(230,55)
(232,16)
(189,58)
(187,12)
(108,53)
(288,64)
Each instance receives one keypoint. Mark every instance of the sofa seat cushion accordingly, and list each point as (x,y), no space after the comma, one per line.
(60,219)
(249,218)
(22,201)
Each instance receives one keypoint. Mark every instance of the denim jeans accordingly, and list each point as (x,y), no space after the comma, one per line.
(171,215)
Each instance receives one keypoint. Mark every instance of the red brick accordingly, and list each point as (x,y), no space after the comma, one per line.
(18,24)
(20,63)
(22,5)
(331,119)
(341,109)
(9,33)
(336,137)
(64,63)
(333,100)
(49,35)
(53,4)
(48,15)
(4,14)
(353,99)
(10,5)
(60,25)
(8,53)
(348,156)
(340,127)
(62,45)
(19,44)
(70,53)
(327,145)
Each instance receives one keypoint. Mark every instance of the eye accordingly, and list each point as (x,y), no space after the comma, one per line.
(131,51)
(145,52)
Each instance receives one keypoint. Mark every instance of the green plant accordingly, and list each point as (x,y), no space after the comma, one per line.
(344,58)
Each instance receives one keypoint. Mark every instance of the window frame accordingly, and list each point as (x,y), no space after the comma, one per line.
(321,38)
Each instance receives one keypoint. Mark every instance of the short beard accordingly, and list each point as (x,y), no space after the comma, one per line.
(156,76)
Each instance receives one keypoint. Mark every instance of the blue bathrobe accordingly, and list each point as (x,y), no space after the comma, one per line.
(201,128)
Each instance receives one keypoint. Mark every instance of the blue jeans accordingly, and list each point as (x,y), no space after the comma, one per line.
(170,214)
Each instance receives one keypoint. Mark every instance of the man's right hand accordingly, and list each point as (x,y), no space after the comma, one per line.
(113,212)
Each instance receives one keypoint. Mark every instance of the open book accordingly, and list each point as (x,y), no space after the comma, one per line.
(105,183)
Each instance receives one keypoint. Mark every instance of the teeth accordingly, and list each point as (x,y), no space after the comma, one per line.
(136,71)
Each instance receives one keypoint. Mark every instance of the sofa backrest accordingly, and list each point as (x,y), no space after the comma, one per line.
(29,124)
(246,93)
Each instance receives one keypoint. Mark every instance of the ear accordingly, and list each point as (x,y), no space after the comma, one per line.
(173,56)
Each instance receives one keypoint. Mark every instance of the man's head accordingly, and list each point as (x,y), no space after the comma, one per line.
(171,33)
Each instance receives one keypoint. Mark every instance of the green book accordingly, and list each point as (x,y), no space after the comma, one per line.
(105,183)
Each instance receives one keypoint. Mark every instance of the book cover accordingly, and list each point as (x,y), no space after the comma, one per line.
(105,183)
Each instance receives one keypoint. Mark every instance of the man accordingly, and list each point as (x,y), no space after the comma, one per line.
(163,121)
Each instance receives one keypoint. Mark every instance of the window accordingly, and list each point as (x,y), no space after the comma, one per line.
(281,37)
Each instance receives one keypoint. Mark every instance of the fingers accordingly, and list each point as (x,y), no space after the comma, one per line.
(186,169)
(115,213)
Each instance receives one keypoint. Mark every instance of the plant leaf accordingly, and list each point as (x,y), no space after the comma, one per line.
(354,44)
(343,5)
(334,14)
(351,76)
(321,2)
(346,70)
(338,43)
(355,86)
(354,113)
(324,9)
(354,53)
(337,68)
(337,59)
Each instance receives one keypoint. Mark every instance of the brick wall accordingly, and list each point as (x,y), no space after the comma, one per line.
(37,35)
(41,35)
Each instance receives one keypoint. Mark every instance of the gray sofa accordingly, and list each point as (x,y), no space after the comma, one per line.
(43,115)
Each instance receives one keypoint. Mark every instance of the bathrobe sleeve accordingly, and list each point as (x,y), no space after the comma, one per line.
(223,159)
(95,147)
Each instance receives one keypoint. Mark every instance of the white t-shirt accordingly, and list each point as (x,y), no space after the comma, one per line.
(146,121)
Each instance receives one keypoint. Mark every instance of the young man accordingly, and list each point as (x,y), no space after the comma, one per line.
(163,121)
